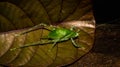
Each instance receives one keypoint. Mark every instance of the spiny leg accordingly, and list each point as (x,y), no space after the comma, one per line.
(31,29)
(27,45)
(74,43)
(37,43)
(54,44)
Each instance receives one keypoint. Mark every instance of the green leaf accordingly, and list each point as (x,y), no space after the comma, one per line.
(19,14)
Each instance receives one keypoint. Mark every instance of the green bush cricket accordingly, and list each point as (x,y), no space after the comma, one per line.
(56,35)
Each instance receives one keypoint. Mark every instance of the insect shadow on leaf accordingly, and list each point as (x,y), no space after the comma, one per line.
(56,35)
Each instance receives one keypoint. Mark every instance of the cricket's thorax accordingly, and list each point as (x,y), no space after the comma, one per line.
(59,33)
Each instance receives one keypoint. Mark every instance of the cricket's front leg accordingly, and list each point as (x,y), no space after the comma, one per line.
(31,29)
(74,43)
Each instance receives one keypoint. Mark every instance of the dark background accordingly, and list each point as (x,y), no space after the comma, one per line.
(106,48)
(106,11)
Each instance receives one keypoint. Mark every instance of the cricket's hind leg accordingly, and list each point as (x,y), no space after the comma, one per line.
(32,29)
